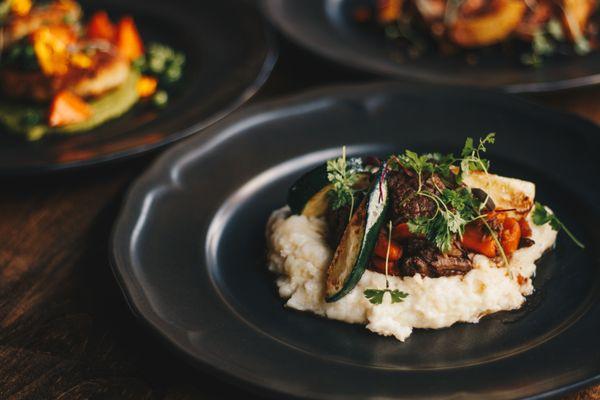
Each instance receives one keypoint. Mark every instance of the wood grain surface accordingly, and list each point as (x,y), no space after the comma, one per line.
(65,330)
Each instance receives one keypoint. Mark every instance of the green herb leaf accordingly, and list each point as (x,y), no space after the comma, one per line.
(455,209)
(471,156)
(542,216)
(419,164)
(440,229)
(541,45)
(554,28)
(375,296)
(343,174)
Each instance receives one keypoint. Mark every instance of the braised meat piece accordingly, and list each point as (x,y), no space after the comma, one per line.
(423,257)
(404,203)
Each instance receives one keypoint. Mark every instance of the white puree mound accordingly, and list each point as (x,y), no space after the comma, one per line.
(299,254)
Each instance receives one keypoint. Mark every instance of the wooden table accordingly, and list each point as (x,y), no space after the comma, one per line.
(65,330)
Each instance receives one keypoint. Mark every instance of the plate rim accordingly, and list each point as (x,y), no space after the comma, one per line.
(270,8)
(268,64)
(157,175)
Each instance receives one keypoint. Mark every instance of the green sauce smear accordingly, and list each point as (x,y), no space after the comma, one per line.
(109,106)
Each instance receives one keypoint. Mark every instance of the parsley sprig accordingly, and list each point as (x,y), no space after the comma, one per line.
(454,210)
(375,296)
(541,216)
(343,173)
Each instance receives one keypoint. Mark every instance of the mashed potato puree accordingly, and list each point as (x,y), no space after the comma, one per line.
(299,255)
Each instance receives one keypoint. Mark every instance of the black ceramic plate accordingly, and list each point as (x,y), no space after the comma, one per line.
(230,53)
(327,28)
(189,249)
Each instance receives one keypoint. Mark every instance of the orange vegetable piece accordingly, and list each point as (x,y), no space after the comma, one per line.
(500,19)
(510,236)
(525,228)
(68,108)
(81,60)
(20,7)
(128,39)
(378,264)
(101,27)
(381,248)
(388,10)
(475,240)
(50,44)
(146,86)
(401,232)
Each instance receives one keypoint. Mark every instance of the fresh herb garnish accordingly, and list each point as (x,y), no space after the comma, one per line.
(166,65)
(541,216)
(455,209)
(471,156)
(343,174)
(163,62)
(375,296)
(419,164)
(554,28)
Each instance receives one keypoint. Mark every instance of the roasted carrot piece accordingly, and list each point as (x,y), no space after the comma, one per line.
(381,248)
(475,240)
(510,236)
(101,27)
(525,228)
(68,108)
(378,264)
(129,41)
(401,232)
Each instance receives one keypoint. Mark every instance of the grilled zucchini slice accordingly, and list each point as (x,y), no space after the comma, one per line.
(358,241)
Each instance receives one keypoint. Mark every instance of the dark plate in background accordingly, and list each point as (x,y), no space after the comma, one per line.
(189,250)
(230,53)
(327,28)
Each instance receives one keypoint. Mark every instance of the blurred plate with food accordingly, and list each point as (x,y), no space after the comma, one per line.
(84,83)
(515,45)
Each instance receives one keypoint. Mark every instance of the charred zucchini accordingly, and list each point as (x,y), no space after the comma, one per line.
(310,194)
(309,185)
(357,243)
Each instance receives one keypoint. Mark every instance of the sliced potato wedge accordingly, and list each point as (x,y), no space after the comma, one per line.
(507,193)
